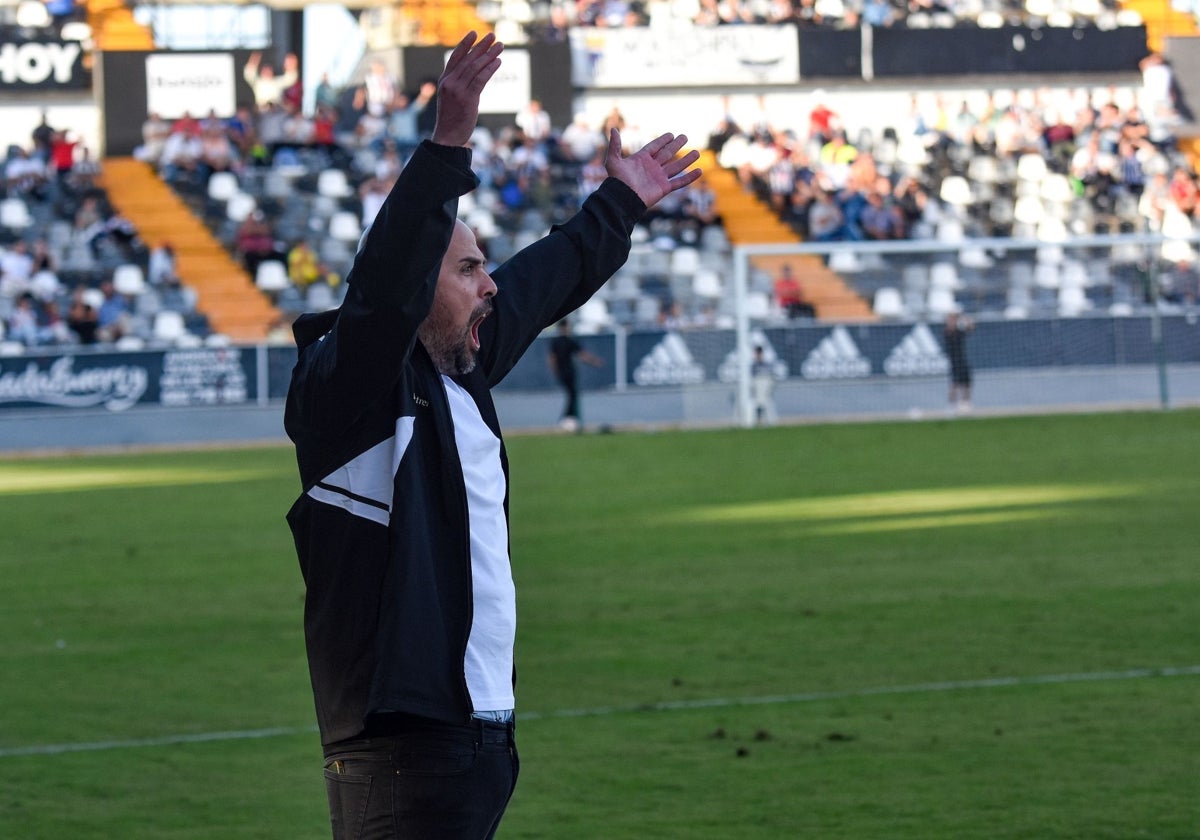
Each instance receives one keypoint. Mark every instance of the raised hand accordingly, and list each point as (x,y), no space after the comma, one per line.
(654,171)
(468,70)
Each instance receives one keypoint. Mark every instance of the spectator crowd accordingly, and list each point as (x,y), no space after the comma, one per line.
(950,159)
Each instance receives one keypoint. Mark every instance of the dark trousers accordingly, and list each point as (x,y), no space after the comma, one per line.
(571,391)
(428,781)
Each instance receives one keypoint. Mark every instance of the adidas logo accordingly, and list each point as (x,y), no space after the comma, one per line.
(918,354)
(727,372)
(836,357)
(669,363)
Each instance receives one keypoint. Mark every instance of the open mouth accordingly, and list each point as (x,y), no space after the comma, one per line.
(475,344)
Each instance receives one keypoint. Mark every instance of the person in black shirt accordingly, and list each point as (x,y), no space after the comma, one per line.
(401,526)
(564,349)
(955,336)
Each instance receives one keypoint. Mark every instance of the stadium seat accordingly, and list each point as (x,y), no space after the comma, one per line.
(223,186)
(169,326)
(1046,275)
(129,280)
(1029,210)
(684,261)
(75,30)
(974,258)
(130,343)
(93,298)
(1057,188)
(483,222)
(14,214)
(955,190)
(845,262)
(707,284)
(944,275)
(345,226)
(593,317)
(332,183)
(320,297)
(758,305)
(33,14)
(950,229)
(1072,301)
(940,303)
(240,206)
(889,303)
(983,169)
(271,276)
(1031,167)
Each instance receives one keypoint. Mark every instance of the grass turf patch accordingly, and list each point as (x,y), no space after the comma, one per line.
(156,595)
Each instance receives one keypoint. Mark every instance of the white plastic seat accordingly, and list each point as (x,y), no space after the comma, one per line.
(1057,188)
(240,206)
(955,190)
(75,30)
(1047,275)
(130,343)
(320,297)
(345,226)
(593,317)
(758,305)
(129,280)
(706,283)
(944,275)
(223,186)
(93,298)
(14,214)
(844,262)
(169,326)
(33,14)
(940,303)
(1031,167)
(889,303)
(1072,301)
(333,184)
(271,276)
(684,261)
(1029,210)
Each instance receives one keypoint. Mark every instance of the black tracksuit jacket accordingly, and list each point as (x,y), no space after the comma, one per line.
(381,527)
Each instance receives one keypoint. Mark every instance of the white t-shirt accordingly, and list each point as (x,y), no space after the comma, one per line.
(489,659)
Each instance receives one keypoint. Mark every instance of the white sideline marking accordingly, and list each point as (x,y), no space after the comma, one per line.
(672,705)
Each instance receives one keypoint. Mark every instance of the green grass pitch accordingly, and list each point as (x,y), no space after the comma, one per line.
(984,628)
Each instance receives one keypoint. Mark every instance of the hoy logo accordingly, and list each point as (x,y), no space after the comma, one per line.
(33,63)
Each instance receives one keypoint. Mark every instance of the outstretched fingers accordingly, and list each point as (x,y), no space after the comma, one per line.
(665,151)
(677,164)
(462,48)
(473,64)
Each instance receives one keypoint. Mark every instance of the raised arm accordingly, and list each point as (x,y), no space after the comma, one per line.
(391,285)
(468,70)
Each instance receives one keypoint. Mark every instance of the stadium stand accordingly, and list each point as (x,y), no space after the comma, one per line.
(952,172)
(226,294)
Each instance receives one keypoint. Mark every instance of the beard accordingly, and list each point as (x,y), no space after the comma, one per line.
(451,348)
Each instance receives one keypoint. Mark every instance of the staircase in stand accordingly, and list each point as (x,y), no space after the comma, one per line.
(226,293)
(114,27)
(748,221)
(1162,20)
(443,22)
